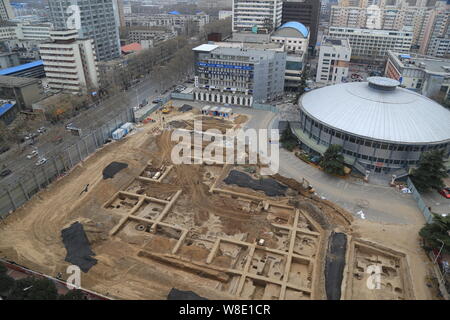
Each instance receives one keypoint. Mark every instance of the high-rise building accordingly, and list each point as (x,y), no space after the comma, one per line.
(436,39)
(119,11)
(257,16)
(97,21)
(70,63)
(334,58)
(6,12)
(306,12)
(384,15)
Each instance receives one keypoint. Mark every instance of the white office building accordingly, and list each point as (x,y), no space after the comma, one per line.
(70,63)
(334,58)
(371,45)
(259,16)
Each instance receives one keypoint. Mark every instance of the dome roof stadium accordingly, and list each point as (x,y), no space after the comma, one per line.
(379,110)
(297,26)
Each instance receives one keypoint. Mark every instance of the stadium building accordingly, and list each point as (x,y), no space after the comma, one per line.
(381,127)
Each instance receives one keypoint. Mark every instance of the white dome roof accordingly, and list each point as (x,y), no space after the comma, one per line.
(379,111)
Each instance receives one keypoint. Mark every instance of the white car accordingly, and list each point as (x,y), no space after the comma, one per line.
(33,154)
(41,161)
(41,130)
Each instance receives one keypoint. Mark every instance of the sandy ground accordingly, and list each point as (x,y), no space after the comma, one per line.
(31,236)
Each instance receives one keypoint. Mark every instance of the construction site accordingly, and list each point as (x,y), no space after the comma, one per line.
(223,231)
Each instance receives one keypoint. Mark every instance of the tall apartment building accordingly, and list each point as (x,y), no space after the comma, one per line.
(98,22)
(372,45)
(384,15)
(306,12)
(215,4)
(119,12)
(173,21)
(236,75)
(334,58)
(70,63)
(436,41)
(258,16)
(6,11)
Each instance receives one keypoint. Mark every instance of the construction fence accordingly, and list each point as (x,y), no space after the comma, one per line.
(265,107)
(420,203)
(34,178)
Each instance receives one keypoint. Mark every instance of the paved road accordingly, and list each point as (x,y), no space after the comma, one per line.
(87,120)
(378,203)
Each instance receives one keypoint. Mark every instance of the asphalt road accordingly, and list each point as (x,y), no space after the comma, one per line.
(88,120)
(378,203)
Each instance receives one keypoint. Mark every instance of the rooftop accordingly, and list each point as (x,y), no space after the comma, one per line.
(379,110)
(132,47)
(8,71)
(251,45)
(6,106)
(330,41)
(297,26)
(12,82)
(205,48)
(427,63)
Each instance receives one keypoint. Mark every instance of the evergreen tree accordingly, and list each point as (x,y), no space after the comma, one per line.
(6,284)
(438,229)
(333,160)
(430,172)
(302,85)
(34,289)
(74,294)
(288,139)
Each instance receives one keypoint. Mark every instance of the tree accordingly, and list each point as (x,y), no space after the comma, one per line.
(6,284)
(333,160)
(288,139)
(2,269)
(430,172)
(74,294)
(34,289)
(302,84)
(438,229)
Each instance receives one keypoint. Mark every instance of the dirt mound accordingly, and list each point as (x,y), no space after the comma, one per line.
(185,108)
(111,170)
(78,248)
(269,186)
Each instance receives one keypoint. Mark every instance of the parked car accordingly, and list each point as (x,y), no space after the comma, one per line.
(31,136)
(157,100)
(41,161)
(4,149)
(33,154)
(5,173)
(69,126)
(445,192)
(41,130)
